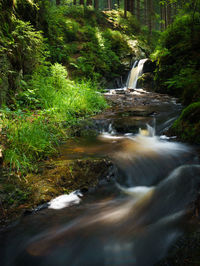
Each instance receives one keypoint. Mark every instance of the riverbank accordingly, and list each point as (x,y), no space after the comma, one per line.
(77,165)
(86,162)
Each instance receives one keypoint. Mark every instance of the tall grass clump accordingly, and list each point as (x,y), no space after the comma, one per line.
(28,140)
(48,103)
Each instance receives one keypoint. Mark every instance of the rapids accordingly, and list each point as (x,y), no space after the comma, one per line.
(134,217)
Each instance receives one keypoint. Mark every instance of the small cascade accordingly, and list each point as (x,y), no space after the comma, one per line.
(135,73)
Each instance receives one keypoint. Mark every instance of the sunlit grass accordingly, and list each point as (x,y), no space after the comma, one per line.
(48,104)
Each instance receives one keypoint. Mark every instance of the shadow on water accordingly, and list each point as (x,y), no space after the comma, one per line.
(133,220)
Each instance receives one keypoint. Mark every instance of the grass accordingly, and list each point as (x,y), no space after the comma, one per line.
(48,103)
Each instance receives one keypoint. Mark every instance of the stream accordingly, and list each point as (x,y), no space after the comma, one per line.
(135,214)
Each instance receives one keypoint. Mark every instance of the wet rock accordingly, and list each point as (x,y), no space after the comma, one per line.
(146,81)
(58,177)
(149,66)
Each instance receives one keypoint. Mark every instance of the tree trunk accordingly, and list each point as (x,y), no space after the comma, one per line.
(81,2)
(96,4)
(128,5)
(162,18)
(165,15)
(150,12)
(74,2)
(138,10)
(109,4)
(89,2)
(118,4)
(169,14)
(57,2)
(132,10)
(145,12)
(125,8)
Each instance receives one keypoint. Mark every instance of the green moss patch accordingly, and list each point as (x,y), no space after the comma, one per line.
(187,126)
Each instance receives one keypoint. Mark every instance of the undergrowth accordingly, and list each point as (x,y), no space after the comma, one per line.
(42,112)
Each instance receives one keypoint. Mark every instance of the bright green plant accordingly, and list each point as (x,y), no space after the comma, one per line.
(50,102)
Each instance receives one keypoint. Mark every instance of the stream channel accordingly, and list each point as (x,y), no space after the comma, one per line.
(135,213)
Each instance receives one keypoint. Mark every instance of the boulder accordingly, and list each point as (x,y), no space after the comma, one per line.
(149,66)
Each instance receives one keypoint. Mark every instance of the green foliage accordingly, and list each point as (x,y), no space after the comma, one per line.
(32,135)
(187,126)
(177,56)
(84,40)
(21,51)
(26,45)
(186,84)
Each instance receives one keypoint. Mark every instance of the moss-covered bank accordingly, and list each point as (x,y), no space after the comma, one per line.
(187,126)
(56,177)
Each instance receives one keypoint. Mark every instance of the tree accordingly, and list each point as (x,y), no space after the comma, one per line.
(96,4)
(138,10)
(89,2)
(125,8)
(109,4)
(150,13)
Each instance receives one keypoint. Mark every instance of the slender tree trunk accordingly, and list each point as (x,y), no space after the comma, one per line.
(194,6)
(125,8)
(118,4)
(165,15)
(89,2)
(128,5)
(162,18)
(132,7)
(96,4)
(138,10)
(145,11)
(150,11)
(169,14)
(109,4)
(81,2)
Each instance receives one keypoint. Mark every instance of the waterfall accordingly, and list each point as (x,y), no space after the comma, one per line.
(135,73)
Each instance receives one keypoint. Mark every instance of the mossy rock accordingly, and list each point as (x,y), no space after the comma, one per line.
(58,177)
(187,126)
(146,81)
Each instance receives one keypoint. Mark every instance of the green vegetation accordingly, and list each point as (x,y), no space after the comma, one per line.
(91,44)
(177,55)
(178,59)
(188,124)
(49,103)
(53,59)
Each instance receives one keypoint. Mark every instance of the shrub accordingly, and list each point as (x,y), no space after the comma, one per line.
(178,58)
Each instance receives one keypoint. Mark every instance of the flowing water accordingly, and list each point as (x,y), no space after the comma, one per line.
(132,218)
(135,73)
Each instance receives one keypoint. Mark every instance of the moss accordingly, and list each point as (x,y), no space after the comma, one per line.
(187,126)
(55,178)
